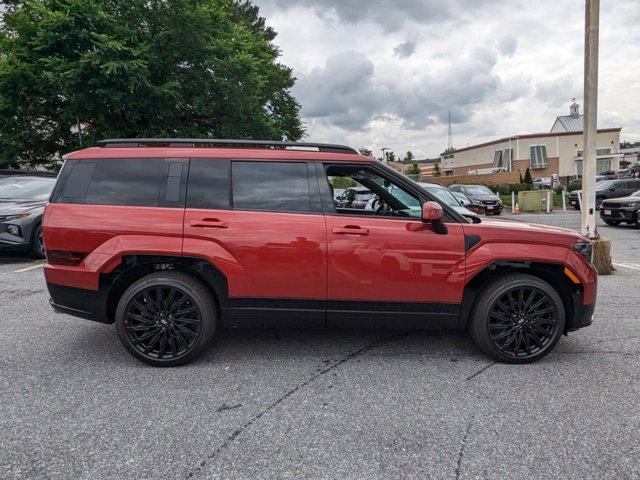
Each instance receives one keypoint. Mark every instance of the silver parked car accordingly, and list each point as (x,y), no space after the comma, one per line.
(447,197)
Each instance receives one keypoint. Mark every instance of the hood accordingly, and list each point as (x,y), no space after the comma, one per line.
(483,196)
(622,200)
(11,208)
(463,210)
(516,231)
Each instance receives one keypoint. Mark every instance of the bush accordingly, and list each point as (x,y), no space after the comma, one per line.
(575,185)
(507,188)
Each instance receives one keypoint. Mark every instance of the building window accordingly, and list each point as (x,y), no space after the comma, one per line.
(539,156)
(602,165)
(599,151)
(507,156)
(497,159)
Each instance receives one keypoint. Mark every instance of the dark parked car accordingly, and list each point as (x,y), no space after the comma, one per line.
(608,189)
(469,204)
(449,198)
(619,210)
(22,201)
(482,195)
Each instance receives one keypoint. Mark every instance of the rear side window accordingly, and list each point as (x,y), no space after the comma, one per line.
(208,184)
(131,182)
(272,186)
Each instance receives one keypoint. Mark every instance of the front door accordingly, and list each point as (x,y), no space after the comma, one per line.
(383,260)
(268,236)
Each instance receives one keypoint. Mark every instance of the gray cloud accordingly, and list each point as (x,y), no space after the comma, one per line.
(507,45)
(558,91)
(405,49)
(345,91)
(390,15)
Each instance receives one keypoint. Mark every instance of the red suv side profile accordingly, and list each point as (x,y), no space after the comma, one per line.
(171,238)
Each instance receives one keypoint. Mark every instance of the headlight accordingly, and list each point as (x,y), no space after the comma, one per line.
(19,216)
(633,204)
(585,249)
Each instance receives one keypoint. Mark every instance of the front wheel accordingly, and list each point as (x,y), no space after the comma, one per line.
(613,223)
(37,243)
(166,319)
(517,318)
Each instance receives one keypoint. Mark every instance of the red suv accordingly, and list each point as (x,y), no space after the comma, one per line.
(170,239)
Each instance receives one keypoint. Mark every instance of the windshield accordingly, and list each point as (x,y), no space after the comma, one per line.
(604,184)
(477,190)
(21,188)
(442,193)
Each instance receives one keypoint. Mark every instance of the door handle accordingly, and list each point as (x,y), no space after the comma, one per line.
(209,223)
(351,230)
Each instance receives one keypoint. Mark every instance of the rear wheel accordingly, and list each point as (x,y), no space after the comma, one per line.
(166,319)
(517,318)
(613,223)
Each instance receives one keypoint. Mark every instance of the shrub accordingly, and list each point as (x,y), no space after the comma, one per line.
(575,185)
(507,188)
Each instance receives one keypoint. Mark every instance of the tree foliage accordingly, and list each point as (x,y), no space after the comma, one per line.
(527,177)
(436,170)
(413,169)
(366,152)
(408,157)
(75,71)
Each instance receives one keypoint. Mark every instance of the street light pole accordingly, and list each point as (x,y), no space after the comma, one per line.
(592,13)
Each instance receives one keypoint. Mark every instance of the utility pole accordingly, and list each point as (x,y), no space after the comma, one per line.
(592,13)
(601,245)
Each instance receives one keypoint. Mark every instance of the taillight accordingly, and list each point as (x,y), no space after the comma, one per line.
(62,257)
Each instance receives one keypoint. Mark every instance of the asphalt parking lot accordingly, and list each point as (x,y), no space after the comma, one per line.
(317,404)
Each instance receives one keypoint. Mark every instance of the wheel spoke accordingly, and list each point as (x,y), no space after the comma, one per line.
(522,321)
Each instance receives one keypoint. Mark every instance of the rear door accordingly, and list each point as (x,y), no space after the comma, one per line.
(261,224)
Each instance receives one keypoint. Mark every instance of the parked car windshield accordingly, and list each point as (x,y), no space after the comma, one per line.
(604,184)
(477,190)
(442,193)
(21,188)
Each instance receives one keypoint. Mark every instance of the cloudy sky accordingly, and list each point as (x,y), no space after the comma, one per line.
(384,73)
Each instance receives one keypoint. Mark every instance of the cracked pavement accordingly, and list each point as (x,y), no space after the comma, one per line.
(319,404)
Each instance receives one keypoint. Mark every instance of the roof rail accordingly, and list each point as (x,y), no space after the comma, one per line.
(228,143)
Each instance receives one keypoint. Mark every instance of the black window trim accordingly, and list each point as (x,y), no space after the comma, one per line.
(451,216)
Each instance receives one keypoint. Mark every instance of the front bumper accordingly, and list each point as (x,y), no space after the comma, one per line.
(623,214)
(582,317)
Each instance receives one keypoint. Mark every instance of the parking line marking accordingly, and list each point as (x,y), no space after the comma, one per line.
(28,268)
(632,266)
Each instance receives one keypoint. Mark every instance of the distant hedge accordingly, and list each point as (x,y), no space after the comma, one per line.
(507,188)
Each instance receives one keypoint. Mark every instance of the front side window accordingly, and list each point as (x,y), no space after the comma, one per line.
(375,194)
(271,186)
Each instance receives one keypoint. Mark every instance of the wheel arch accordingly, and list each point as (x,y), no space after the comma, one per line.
(133,267)
(551,273)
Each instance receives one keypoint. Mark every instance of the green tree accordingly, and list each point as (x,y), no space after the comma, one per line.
(436,170)
(390,156)
(366,152)
(75,71)
(527,177)
(413,170)
(408,157)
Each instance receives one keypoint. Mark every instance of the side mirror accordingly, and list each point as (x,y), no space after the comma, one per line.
(432,212)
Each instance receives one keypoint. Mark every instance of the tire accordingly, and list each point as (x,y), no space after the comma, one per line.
(151,330)
(510,339)
(613,223)
(37,244)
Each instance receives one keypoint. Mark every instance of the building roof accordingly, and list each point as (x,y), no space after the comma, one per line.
(571,123)
(530,135)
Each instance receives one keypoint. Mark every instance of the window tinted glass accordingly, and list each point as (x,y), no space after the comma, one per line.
(271,186)
(208,184)
(133,182)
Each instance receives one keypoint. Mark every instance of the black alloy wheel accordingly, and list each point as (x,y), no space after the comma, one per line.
(166,319)
(518,318)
